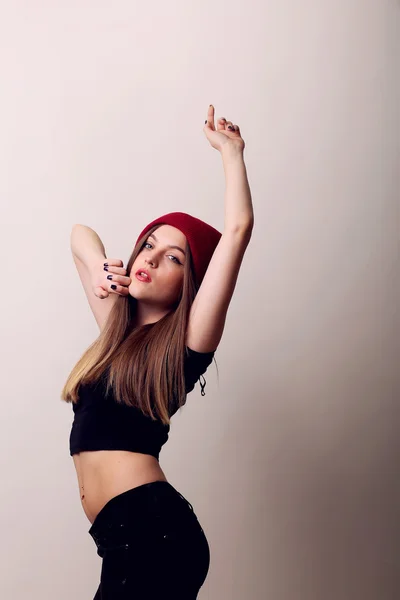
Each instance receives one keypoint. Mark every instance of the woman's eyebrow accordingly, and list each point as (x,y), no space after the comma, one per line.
(169,245)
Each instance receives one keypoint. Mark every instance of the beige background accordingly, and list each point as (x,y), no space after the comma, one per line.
(291,458)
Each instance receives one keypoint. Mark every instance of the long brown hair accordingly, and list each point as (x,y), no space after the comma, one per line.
(145,365)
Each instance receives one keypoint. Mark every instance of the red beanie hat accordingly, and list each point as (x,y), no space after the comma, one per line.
(201,237)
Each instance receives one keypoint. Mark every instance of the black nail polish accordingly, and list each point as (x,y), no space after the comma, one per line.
(106,268)
(113,287)
(205,121)
(231,128)
(109,276)
(106,264)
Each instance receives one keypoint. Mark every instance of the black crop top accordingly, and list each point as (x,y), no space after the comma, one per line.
(102,423)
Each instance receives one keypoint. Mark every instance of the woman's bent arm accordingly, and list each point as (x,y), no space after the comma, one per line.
(87,246)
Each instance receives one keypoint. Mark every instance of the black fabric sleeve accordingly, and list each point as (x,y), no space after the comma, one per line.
(195,365)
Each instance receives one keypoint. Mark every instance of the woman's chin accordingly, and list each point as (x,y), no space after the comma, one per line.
(137,292)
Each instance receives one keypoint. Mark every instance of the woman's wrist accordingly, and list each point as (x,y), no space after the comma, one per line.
(230,154)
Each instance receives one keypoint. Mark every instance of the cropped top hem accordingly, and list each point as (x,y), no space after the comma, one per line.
(141,449)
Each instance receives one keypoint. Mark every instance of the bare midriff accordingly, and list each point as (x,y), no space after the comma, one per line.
(103,474)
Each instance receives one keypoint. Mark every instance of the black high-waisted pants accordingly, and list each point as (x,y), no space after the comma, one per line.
(152,546)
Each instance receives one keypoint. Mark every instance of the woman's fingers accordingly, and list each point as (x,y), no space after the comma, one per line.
(113,262)
(104,292)
(120,279)
(121,290)
(115,279)
(221,124)
(117,270)
(210,117)
(100,292)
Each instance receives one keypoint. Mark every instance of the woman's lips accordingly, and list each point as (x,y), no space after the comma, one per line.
(144,279)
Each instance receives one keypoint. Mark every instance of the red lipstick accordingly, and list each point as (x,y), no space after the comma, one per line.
(141,278)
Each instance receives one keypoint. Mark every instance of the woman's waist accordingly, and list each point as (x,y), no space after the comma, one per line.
(103,474)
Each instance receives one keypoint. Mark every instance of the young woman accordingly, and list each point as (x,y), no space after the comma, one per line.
(161,320)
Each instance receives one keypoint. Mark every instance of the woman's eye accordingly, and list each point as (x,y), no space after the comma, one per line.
(175,259)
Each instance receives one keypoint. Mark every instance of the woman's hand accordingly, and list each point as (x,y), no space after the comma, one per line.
(104,277)
(223,138)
